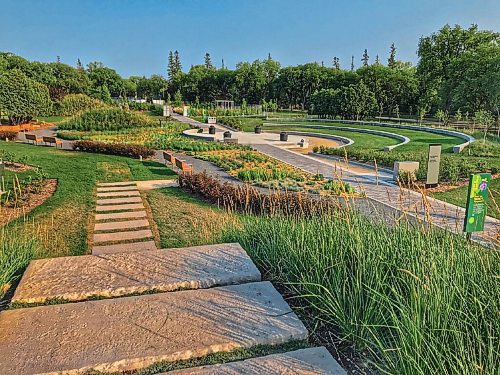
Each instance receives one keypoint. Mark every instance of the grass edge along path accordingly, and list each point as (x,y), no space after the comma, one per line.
(418,301)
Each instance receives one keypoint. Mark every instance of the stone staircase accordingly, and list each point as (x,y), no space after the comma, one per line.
(128,310)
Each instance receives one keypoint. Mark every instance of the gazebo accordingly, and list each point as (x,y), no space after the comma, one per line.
(224,104)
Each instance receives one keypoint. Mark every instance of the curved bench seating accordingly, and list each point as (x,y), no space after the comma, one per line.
(344,141)
(404,140)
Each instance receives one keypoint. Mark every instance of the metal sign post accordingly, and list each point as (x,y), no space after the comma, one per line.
(477,196)
(433,161)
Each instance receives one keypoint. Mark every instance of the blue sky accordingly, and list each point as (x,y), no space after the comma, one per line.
(134,36)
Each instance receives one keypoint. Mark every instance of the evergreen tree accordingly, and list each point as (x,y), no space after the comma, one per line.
(208,61)
(79,65)
(377,60)
(171,65)
(392,57)
(58,59)
(222,66)
(365,58)
(336,63)
(352,63)
(177,62)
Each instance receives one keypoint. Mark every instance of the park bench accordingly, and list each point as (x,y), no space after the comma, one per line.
(52,141)
(169,157)
(33,138)
(183,166)
(233,141)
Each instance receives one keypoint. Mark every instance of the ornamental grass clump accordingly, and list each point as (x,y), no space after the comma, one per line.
(108,118)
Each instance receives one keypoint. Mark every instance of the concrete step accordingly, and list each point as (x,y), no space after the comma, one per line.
(131,333)
(116,188)
(124,248)
(120,207)
(121,215)
(119,200)
(114,184)
(129,193)
(115,225)
(308,361)
(82,277)
(123,236)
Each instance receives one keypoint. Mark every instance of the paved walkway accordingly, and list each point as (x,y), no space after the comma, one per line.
(376,187)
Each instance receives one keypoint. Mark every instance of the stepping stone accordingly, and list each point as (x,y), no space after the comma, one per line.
(299,362)
(124,248)
(130,193)
(115,225)
(113,184)
(121,215)
(120,207)
(132,333)
(114,275)
(119,200)
(116,188)
(122,236)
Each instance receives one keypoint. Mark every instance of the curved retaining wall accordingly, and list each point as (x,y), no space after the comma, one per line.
(193,133)
(404,140)
(344,141)
(456,149)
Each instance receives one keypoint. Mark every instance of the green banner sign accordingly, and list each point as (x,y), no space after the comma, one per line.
(477,196)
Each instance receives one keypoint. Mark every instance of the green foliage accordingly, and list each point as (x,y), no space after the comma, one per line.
(74,104)
(232,122)
(176,142)
(106,119)
(22,98)
(120,149)
(7,135)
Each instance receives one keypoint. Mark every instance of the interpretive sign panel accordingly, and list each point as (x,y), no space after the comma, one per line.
(433,165)
(477,196)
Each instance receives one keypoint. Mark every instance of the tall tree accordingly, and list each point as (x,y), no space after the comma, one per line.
(222,65)
(365,58)
(377,60)
(79,65)
(336,63)
(352,63)
(392,56)
(171,65)
(208,61)
(177,62)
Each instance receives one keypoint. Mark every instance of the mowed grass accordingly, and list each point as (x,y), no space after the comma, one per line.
(458,196)
(60,224)
(413,301)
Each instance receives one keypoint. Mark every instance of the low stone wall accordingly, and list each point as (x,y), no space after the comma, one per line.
(343,140)
(193,133)
(404,140)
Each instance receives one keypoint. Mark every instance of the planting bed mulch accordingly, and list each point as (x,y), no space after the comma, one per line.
(31,201)
(445,186)
(18,167)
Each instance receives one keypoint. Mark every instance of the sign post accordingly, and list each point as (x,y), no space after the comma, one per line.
(433,161)
(477,196)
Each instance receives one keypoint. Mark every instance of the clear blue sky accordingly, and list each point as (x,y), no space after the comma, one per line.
(134,36)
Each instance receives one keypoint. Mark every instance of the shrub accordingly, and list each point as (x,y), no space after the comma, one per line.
(113,148)
(106,119)
(22,98)
(8,135)
(74,104)
(232,122)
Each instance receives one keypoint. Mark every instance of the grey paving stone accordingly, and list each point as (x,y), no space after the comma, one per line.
(119,200)
(79,278)
(121,215)
(131,333)
(299,362)
(115,225)
(122,236)
(113,184)
(120,207)
(123,248)
(129,193)
(117,188)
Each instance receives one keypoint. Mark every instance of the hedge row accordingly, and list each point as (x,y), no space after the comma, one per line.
(8,135)
(120,149)
(106,119)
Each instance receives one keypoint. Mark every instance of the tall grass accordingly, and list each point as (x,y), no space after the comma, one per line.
(419,301)
(16,251)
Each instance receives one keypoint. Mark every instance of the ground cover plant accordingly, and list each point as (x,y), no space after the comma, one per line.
(424,309)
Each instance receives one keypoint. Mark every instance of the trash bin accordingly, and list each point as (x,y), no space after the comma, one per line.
(211,129)
(258,129)
(283,136)
(227,134)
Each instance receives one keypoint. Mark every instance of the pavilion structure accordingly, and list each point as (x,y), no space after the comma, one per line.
(224,104)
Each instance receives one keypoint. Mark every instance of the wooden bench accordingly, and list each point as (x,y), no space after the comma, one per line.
(183,166)
(33,138)
(52,141)
(169,158)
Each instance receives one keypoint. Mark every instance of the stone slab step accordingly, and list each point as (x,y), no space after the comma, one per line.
(129,193)
(131,333)
(122,236)
(120,207)
(121,215)
(299,362)
(115,225)
(78,278)
(116,188)
(113,184)
(123,248)
(119,200)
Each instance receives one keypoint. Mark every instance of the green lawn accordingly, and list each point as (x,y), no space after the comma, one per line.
(60,224)
(458,197)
